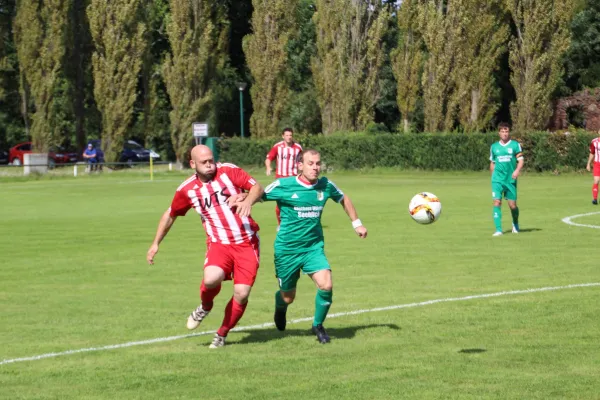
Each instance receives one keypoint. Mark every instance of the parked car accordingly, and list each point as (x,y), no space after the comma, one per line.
(16,153)
(3,157)
(132,152)
(56,155)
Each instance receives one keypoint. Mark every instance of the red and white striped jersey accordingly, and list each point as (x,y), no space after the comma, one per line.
(595,149)
(220,222)
(286,158)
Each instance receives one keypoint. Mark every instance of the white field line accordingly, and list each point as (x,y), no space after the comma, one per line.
(270,324)
(569,220)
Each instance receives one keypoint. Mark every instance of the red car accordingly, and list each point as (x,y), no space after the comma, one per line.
(56,155)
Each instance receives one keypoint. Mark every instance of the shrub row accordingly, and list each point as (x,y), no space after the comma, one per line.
(543,151)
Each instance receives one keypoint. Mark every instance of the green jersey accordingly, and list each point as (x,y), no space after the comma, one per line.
(301,206)
(504,157)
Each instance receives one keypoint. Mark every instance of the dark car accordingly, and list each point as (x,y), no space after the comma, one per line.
(132,152)
(60,155)
(3,157)
(56,155)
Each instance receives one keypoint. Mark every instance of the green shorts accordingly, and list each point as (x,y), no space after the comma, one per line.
(288,266)
(507,190)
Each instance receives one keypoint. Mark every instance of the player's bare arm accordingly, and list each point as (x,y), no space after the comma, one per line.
(589,163)
(165,223)
(244,207)
(268,166)
(492,165)
(520,163)
(349,208)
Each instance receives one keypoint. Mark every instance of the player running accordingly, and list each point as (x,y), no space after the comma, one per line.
(299,245)
(285,154)
(232,240)
(595,156)
(506,162)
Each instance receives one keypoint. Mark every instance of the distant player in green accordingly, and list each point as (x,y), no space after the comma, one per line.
(506,161)
(299,245)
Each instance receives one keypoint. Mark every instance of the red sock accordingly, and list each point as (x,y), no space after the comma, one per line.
(233,314)
(595,191)
(208,295)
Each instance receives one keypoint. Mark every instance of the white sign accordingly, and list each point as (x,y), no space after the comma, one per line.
(200,129)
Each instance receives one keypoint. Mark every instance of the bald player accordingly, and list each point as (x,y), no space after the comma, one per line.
(232,241)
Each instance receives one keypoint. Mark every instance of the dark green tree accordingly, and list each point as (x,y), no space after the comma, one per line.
(583,57)
(12,128)
(198,33)
(301,111)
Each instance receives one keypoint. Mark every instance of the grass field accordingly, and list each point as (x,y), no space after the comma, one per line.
(73,276)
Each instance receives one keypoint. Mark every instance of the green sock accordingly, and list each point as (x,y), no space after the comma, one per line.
(323,301)
(498,218)
(515,215)
(279,303)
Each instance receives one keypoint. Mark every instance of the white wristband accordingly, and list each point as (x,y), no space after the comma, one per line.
(356,223)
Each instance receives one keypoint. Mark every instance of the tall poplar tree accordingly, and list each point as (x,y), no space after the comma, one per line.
(484,38)
(407,61)
(118,35)
(536,55)
(350,53)
(40,29)
(273,25)
(441,32)
(197,31)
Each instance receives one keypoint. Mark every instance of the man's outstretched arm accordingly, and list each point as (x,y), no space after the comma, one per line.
(165,223)
(349,208)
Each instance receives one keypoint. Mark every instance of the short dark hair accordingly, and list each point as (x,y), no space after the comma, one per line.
(287,130)
(300,156)
(503,125)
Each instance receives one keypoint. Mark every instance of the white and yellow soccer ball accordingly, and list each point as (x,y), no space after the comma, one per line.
(425,208)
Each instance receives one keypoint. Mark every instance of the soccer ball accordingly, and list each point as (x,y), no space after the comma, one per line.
(425,208)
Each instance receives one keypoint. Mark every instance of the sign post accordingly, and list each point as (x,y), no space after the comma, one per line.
(199,130)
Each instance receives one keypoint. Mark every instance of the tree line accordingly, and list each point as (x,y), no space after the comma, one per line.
(71,70)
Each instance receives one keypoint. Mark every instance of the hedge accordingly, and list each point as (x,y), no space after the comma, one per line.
(544,151)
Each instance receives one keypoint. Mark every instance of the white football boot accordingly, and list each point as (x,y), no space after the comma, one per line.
(218,341)
(196,317)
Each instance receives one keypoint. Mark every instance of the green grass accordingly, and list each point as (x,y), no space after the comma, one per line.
(73,275)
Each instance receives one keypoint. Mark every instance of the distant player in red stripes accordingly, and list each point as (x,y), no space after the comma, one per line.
(232,240)
(595,156)
(285,154)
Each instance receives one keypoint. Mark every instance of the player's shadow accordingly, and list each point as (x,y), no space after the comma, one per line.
(526,230)
(472,351)
(265,335)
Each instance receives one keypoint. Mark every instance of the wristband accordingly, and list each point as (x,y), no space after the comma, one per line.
(356,223)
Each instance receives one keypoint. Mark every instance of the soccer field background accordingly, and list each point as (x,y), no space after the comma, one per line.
(74,276)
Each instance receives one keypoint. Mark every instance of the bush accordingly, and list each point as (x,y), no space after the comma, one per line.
(544,151)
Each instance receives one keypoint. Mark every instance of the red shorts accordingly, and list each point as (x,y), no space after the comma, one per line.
(597,169)
(239,261)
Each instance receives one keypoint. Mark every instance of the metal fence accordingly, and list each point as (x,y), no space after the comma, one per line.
(80,167)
